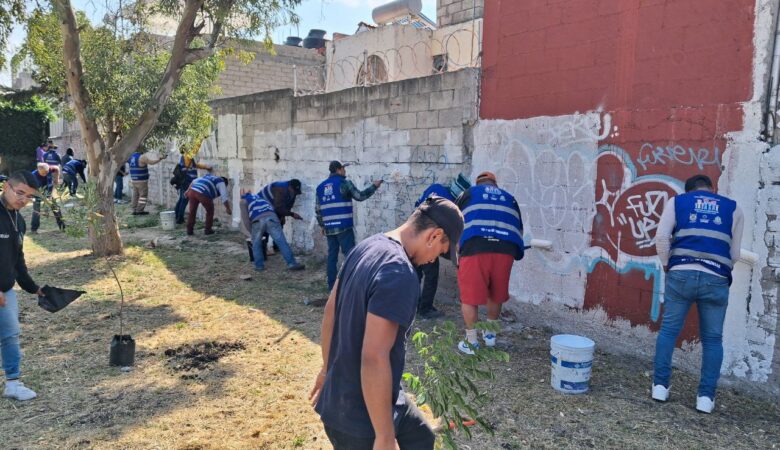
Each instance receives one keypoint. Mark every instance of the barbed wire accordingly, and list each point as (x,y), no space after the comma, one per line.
(457,50)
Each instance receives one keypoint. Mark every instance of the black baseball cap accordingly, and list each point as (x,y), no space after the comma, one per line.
(336,165)
(448,217)
(296,185)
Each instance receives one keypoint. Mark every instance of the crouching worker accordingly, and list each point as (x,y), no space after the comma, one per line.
(367,319)
(203,191)
(20,188)
(70,171)
(263,219)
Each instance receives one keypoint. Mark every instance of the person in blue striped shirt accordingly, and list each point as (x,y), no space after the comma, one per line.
(139,178)
(203,191)
(263,219)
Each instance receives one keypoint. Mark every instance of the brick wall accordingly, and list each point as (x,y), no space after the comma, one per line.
(769,198)
(268,72)
(450,12)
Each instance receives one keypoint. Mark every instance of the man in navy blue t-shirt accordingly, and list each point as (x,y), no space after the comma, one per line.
(368,315)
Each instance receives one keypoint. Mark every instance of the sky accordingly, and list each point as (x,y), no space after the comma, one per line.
(340,16)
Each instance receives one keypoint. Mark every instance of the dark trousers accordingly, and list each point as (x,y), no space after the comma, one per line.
(72,182)
(119,181)
(411,433)
(181,204)
(344,240)
(36,215)
(429,275)
(195,199)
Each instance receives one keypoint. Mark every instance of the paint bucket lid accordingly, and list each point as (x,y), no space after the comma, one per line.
(572,341)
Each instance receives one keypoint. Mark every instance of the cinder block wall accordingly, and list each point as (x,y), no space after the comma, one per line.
(409,133)
(267,71)
(451,12)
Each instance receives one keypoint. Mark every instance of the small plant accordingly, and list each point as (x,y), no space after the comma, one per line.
(447,382)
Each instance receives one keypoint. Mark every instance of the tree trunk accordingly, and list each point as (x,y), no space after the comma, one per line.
(104,230)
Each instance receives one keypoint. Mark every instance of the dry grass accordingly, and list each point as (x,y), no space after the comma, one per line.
(190,291)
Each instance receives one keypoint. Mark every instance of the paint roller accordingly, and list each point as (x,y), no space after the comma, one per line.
(540,244)
(748,257)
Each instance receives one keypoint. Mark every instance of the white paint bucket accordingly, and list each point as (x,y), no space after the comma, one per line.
(167,220)
(571,358)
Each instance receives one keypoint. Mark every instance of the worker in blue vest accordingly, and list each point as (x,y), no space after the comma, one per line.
(187,173)
(71,170)
(429,273)
(139,180)
(45,178)
(333,207)
(53,159)
(281,195)
(263,220)
(492,241)
(203,191)
(698,241)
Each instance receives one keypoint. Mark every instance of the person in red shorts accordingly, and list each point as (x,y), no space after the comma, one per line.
(492,241)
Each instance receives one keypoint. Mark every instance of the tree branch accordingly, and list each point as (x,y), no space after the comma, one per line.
(170,79)
(74,73)
(196,54)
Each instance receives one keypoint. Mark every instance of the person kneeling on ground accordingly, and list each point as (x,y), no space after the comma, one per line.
(18,191)
(264,220)
(203,191)
(368,316)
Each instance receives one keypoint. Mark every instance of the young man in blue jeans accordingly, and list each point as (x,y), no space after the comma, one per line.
(698,241)
(333,205)
(20,188)
(263,219)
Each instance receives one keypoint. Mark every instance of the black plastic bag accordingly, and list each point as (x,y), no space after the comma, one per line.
(55,298)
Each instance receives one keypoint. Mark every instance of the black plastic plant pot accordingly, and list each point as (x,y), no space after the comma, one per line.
(122,351)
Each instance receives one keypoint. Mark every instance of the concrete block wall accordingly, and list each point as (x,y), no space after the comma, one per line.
(409,133)
(451,12)
(769,198)
(268,72)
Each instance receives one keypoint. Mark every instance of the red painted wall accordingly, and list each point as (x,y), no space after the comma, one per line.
(671,74)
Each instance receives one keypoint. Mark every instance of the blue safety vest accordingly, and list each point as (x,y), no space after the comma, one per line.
(435,189)
(72,167)
(137,172)
(191,172)
(490,213)
(51,157)
(267,192)
(257,206)
(207,185)
(336,210)
(44,181)
(702,233)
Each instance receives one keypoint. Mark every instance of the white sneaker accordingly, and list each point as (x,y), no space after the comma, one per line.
(17,390)
(490,338)
(467,348)
(705,404)
(660,393)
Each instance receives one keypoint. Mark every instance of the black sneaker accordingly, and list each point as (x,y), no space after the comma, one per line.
(208,232)
(296,267)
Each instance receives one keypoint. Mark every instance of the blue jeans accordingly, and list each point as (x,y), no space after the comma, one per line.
(9,336)
(270,224)
(72,182)
(181,204)
(710,293)
(345,240)
(119,181)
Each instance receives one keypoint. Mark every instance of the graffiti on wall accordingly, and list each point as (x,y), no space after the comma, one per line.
(599,203)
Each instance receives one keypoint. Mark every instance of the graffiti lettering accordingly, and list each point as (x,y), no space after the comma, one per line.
(650,155)
(643,212)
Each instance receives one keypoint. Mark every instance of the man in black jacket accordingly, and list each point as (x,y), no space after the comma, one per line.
(20,188)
